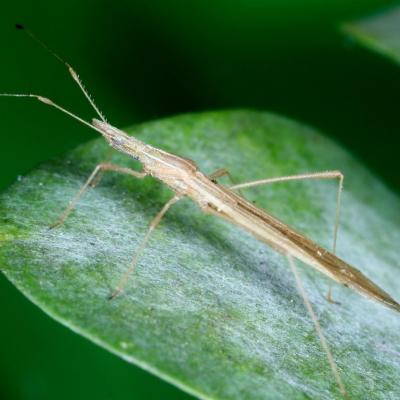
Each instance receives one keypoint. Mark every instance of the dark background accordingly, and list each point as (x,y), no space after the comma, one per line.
(147,59)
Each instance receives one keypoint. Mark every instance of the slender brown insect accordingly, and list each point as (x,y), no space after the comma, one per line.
(186,180)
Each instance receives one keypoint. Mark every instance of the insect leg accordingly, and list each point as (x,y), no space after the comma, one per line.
(99,168)
(316,175)
(99,176)
(220,173)
(322,338)
(155,221)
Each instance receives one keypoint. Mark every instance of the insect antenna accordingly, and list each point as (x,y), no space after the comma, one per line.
(71,71)
(51,103)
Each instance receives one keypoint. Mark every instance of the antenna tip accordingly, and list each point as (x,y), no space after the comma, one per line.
(19,26)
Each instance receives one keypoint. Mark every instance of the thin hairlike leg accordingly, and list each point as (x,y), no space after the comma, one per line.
(99,176)
(220,173)
(156,220)
(329,297)
(92,177)
(324,342)
(316,175)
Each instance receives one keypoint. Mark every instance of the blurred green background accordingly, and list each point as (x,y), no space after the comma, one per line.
(143,60)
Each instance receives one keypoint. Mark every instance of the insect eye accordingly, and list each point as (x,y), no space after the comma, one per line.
(119,141)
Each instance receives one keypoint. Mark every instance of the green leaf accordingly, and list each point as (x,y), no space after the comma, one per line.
(210,308)
(380,33)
